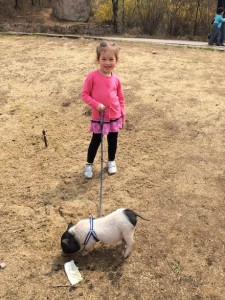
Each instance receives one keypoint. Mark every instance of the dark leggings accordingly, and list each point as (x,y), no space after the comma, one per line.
(95,143)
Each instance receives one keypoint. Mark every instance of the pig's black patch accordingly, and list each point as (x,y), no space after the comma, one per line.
(69,244)
(131,216)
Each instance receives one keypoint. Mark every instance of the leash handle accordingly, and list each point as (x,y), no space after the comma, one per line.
(102,116)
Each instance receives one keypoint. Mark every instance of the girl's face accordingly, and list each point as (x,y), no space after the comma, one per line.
(107,62)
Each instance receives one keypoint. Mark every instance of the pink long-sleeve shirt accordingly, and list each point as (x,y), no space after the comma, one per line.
(106,90)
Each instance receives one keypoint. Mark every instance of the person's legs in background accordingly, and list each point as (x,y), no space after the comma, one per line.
(222,31)
(215,35)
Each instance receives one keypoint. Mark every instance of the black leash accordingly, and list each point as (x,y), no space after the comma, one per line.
(102,115)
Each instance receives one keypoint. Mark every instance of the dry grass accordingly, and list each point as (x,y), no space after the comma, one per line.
(171,169)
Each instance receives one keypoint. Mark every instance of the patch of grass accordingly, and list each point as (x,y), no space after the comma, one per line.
(2,29)
(176,267)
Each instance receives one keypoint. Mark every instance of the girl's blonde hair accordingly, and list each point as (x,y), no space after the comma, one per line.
(106,45)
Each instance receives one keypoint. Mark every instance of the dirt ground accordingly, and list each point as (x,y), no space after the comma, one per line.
(170,169)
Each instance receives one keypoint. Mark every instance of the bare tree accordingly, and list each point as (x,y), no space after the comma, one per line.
(16,4)
(151,15)
(196,17)
(115,14)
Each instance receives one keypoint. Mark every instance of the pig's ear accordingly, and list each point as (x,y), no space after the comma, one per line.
(65,241)
(70,225)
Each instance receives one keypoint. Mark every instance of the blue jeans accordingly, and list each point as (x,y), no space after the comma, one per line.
(222,31)
(215,37)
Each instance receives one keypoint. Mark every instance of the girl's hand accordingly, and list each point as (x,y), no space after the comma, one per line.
(101,107)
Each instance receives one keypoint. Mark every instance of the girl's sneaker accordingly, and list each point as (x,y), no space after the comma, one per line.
(88,171)
(112,169)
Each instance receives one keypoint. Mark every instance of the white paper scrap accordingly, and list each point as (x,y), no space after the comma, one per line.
(72,272)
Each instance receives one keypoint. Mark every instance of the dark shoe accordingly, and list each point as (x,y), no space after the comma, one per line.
(222,44)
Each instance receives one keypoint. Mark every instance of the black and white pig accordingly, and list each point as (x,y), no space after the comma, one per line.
(119,225)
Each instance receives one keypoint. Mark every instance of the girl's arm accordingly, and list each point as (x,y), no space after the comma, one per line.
(87,93)
(121,100)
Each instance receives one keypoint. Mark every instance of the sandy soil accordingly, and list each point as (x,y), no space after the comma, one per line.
(170,169)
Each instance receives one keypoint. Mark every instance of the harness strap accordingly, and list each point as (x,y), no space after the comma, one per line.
(91,232)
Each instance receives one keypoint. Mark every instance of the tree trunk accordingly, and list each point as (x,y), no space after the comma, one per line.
(115,15)
(196,18)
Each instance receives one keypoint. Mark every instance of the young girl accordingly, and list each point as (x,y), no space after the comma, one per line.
(102,91)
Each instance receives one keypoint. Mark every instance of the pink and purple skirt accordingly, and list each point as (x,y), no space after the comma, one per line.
(114,125)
